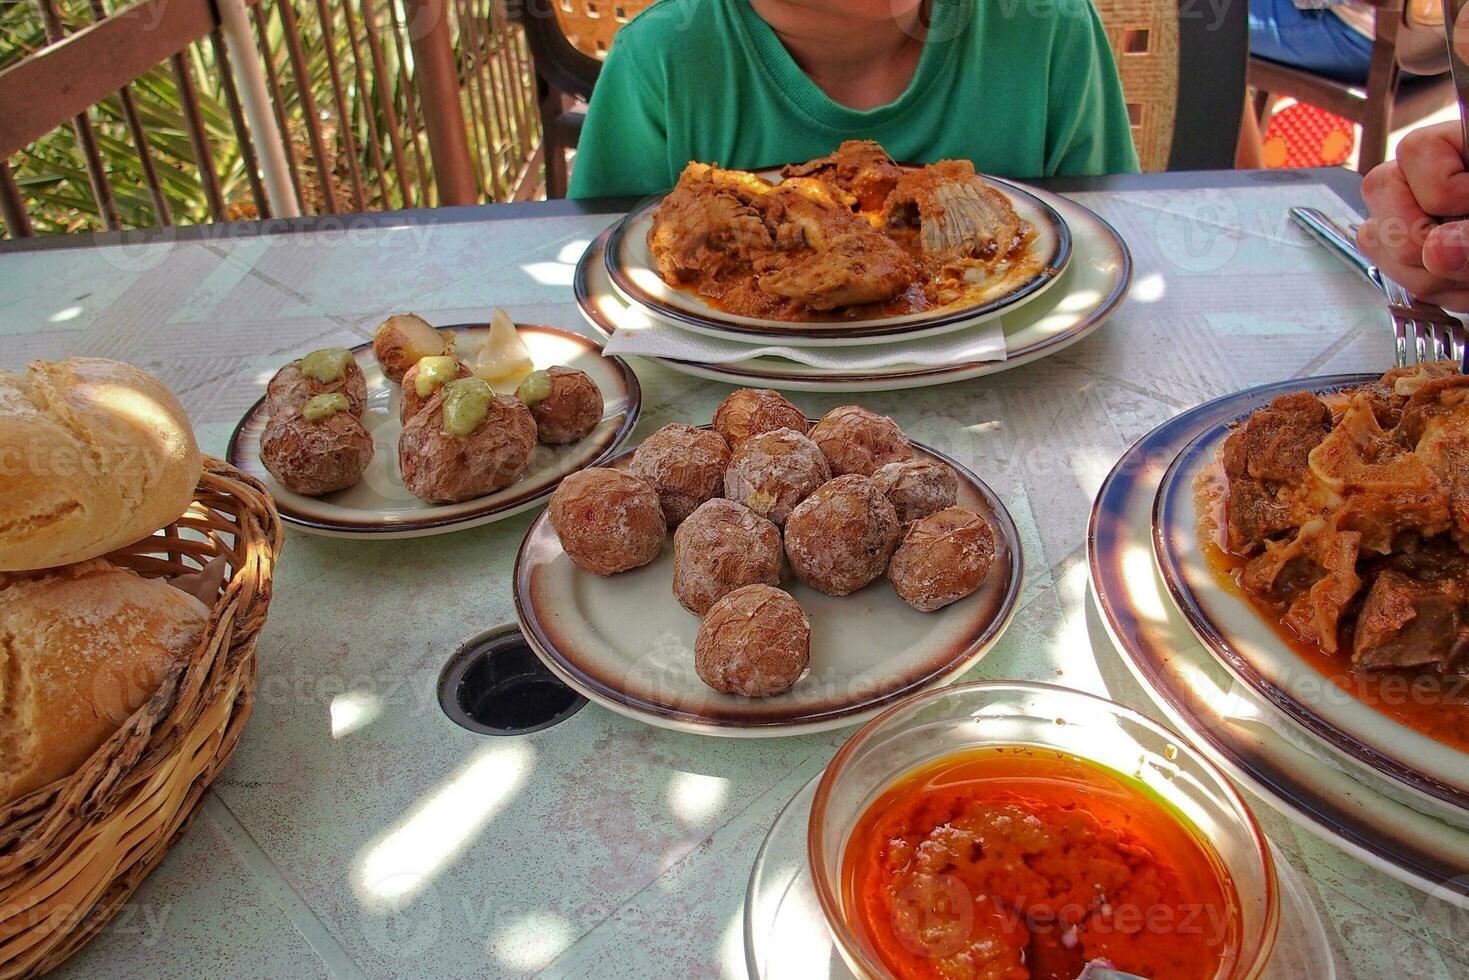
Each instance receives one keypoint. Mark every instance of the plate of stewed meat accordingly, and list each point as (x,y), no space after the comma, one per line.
(1318,544)
(767,574)
(847,248)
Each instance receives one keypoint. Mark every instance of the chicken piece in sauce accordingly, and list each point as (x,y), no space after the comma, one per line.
(860,169)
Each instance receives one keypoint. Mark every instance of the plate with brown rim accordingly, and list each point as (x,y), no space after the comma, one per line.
(634,274)
(379,506)
(1365,721)
(1091,289)
(625,642)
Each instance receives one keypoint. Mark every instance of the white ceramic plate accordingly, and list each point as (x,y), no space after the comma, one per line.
(633,273)
(1395,759)
(787,938)
(627,644)
(1254,742)
(1092,287)
(379,506)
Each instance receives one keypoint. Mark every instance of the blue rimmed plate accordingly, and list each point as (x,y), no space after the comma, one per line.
(1255,742)
(1393,758)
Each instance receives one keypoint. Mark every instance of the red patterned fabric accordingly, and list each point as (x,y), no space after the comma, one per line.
(1302,135)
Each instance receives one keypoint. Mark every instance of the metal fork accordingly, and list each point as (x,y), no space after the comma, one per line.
(1421,331)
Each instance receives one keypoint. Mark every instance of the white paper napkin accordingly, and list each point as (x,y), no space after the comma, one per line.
(639,333)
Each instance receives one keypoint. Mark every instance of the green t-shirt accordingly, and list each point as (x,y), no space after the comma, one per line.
(1022,88)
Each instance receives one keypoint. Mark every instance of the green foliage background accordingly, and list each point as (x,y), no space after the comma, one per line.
(52,175)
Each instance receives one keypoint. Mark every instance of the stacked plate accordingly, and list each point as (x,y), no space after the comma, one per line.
(1084,271)
(1290,723)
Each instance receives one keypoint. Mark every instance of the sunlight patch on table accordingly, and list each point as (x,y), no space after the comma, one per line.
(531,941)
(64,314)
(550,273)
(572,251)
(354,711)
(1149,288)
(694,797)
(405,859)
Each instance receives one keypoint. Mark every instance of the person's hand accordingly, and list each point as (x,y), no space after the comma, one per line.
(1405,199)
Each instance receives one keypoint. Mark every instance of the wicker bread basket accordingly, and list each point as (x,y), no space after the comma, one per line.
(72,853)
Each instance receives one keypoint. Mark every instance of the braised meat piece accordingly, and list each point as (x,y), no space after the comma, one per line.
(827,256)
(1278,439)
(850,270)
(1405,623)
(957,215)
(860,168)
(709,224)
(1266,462)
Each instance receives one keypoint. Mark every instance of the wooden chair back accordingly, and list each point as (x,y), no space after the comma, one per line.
(1386,100)
(589,25)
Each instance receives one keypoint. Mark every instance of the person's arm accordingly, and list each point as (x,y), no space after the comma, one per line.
(1087,131)
(623,150)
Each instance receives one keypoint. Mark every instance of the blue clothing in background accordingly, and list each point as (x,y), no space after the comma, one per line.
(1316,40)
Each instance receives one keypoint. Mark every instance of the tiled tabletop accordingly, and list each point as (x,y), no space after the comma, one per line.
(360,833)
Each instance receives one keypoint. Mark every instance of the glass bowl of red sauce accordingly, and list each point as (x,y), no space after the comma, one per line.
(1019,831)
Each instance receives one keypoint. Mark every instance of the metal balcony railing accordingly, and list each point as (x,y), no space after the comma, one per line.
(120,115)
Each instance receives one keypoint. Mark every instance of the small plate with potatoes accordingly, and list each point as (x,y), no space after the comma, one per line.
(429,429)
(766,574)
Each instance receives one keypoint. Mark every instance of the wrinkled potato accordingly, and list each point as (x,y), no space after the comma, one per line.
(315,458)
(608,521)
(411,402)
(751,411)
(291,388)
(942,558)
(402,341)
(685,465)
(567,404)
(840,538)
(442,468)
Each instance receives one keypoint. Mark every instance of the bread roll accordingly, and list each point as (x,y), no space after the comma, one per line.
(81,648)
(94,455)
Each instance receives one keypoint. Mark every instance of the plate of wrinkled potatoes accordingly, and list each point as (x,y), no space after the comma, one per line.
(766,574)
(427,430)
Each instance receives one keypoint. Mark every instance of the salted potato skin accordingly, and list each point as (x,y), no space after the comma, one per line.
(292,389)
(315,458)
(774,471)
(917,487)
(442,468)
(756,642)
(402,341)
(608,521)
(751,411)
(572,410)
(942,558)
(720,547)
(856,440)
(840,538)
(685,465)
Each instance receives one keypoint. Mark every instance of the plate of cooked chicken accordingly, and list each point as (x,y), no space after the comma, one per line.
(850,248)
(1317,542)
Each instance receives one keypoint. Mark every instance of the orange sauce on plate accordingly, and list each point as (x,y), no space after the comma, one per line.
(1025,863)
(1432,703)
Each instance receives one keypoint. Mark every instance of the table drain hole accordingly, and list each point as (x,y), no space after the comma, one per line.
(496,685)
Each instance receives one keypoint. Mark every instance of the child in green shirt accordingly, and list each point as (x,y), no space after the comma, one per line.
(1024,88)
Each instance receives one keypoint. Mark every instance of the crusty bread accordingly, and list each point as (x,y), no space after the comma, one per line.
(81,648)
(94,455)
